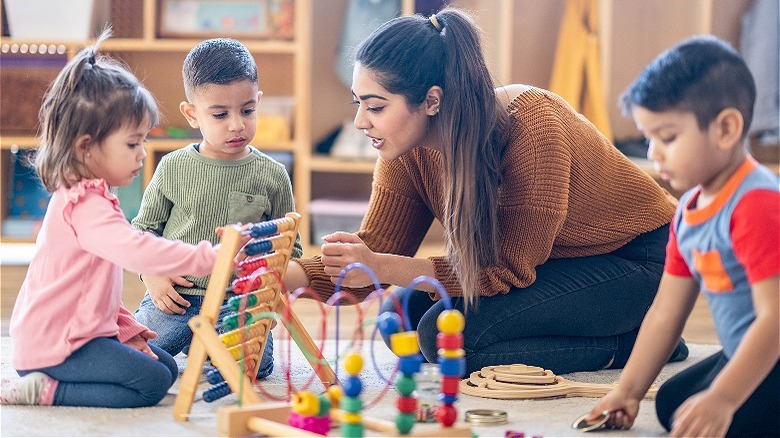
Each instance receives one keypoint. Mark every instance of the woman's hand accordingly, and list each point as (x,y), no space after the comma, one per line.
(139,342)
(341,249)
(622,409)
(703,414)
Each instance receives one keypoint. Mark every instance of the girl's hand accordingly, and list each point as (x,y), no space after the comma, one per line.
(139,342)
(342,249)
(703,414)
(622,409)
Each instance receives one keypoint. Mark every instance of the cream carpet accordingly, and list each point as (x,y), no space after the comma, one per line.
(549,417)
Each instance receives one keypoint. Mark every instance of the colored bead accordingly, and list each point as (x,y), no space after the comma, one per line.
(216,392)
(335,394)
(446,415)
(452,367)
(450,322)
(514,434)
(352,386)
(353,363)
(325,405)
(404,423)
(351,430)
(406,405)
(351,404)
(388,323)
(214,376)
(451,354)
(409,364)
(404,343)
(258,247)
(449,342)
(305,403)
(447,399)
(405,385)
(263,229)
(449,384)
(351,418)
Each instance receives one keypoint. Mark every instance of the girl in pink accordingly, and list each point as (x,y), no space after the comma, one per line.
(74,343)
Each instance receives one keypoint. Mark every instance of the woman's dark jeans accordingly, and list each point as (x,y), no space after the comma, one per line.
(581,314)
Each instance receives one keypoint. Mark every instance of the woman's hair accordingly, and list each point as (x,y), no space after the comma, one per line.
(92,95)
(411,54)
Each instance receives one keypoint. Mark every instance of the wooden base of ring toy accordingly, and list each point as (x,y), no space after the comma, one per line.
(524,382)
(270,419)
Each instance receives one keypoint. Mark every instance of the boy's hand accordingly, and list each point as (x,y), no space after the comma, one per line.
(139,343)
(703,414)
(164,296)
(622,409)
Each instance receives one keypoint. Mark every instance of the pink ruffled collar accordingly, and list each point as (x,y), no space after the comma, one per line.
(78,190)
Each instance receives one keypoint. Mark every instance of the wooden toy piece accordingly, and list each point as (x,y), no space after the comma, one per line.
(206,342)
(525,382)
(270,419)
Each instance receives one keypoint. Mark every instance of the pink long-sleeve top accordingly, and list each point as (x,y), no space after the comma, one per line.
(73,289)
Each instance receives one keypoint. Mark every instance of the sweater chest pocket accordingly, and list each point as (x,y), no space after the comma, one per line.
(247,207)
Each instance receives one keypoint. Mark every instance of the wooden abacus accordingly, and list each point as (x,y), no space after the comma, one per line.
(272,419)
(261,281)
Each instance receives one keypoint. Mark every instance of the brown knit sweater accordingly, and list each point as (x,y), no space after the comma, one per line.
(566,192)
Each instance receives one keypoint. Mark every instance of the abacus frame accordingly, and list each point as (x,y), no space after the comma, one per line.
(206,342)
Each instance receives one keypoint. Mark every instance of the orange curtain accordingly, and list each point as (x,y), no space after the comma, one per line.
(576,72)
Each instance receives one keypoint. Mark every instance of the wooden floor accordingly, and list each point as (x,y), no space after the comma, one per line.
(699,328)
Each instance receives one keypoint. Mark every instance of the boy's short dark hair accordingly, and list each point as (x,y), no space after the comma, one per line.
(702,75)
(217,61)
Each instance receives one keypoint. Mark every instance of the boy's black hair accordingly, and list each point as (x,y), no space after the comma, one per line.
(702,75)
(217,61)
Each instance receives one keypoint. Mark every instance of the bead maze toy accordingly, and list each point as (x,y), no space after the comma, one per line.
(527,382)
(259,291)
(311,415)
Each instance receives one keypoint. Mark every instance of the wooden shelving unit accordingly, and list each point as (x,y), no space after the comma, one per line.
(284,69)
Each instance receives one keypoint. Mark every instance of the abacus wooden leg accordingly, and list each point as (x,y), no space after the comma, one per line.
(306,343)
(220,275)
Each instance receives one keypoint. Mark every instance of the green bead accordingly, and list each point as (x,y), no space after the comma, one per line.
(405,422)
(351,404)
(351,430)
(405,385)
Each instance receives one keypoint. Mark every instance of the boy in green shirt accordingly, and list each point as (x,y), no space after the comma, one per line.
(221,180)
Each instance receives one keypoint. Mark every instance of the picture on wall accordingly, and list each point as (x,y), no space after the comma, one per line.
(259,19)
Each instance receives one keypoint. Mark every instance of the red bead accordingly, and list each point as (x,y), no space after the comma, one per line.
(446,415)
(406,405)
(449,342)
(449,385)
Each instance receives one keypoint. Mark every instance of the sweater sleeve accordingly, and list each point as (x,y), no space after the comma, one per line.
(155,206)
(396,223)
(102,229)
(128,325)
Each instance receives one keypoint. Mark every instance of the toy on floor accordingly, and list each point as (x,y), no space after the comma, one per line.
(285,419)
(523,382)
(259,297)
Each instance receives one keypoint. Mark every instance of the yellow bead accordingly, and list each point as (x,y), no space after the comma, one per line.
(353,363)
(450,322)
(455,353)
(351,418)
(334,393)
(404,343)
(305,403)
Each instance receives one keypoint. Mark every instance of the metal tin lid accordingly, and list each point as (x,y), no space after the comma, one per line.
(486,417)
(583,425)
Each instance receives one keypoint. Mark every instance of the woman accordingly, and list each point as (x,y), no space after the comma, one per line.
(554,240)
